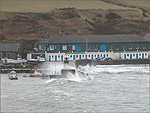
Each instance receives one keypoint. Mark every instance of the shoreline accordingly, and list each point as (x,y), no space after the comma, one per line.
(84,62)
(111,62)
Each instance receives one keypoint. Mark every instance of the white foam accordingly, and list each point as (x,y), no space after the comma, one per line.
(87,69)
(52,67)
(51,80)
(121,68)
(74,77)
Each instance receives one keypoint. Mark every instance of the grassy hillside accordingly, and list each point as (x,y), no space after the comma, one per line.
(144,4)
(48,5)
(26,19)
(30,20)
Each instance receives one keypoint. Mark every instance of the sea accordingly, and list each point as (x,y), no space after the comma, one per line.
(92,89)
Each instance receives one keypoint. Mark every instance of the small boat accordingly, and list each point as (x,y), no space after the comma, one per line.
(37,74)
(24,76)
(31,75)
(38,60)
(18,61)
(13,76)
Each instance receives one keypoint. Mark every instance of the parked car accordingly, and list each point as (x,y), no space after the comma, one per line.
(108,58)
(100,58)
(35,49)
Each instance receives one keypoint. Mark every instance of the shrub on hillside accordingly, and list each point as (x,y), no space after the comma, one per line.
(45,16)
(112,16)
(99,15)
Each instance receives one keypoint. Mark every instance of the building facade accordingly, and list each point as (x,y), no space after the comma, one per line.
(10,50)
(91,47)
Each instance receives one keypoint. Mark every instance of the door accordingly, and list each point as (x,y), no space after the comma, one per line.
(85,56)
(0,56)
(61,57)
(43,48)
(74,57)
(58,48)
(47,48)
(103,48)
(8,56)
(49,58)
(136,56)
(130,56)
(79,47)
(92,57)
(142,55)
(104,55)
(79,56)
(123,48)
(55,57)
(124,56)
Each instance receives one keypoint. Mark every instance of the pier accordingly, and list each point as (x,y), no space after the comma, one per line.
(27,70)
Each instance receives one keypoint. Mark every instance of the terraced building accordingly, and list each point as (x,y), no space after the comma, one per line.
(79,47)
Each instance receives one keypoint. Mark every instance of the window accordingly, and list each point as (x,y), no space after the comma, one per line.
(52,56)
(89,47)
(95,55)
(40,47)
(73,47)
(95,47)
(145,54)
(140,54)
(117,47)
(58,56)
(89,55)
(130,46)
(144,46)
(127,54)
(107,55)
(51,47)
(110,47)
(137,46)
(64,47)
(133,54)
(83,56)
(77,56)
(70,55)
(47,49)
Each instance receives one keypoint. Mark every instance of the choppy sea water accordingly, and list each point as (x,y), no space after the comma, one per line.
(103,88)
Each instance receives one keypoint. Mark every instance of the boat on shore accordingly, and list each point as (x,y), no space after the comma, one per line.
(18,61)
(13,76)
(38,60)
(36,74)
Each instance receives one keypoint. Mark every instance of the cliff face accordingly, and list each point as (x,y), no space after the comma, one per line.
(71,21)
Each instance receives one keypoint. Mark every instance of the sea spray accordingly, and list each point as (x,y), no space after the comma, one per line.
(52,68)
(86,69)
(51,80)
(74,77)
(120,69)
